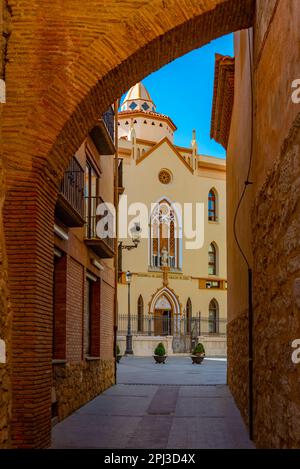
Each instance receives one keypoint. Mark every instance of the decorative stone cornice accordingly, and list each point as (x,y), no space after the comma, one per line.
(222,99)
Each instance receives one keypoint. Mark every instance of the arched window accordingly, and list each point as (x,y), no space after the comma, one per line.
(212,205)
(212,260)
(188,316)
(140,314)
(164,236)
(213,317)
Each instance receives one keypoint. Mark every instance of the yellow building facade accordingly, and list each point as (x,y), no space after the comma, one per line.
(177,197)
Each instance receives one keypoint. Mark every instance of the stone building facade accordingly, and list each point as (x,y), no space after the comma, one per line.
(257,121)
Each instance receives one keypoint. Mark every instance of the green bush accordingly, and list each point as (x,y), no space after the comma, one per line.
(118,350)
(160,350)
(199,349)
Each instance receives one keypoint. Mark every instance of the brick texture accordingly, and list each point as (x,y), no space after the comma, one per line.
(107,321)
(60,307)
(75,307)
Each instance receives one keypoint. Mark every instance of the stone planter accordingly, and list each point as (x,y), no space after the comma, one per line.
(119,358)
(159,359)
(197,359)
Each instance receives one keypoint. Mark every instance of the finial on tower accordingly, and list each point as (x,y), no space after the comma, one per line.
(194,141)
(194,149)
(132,139)
(132,134)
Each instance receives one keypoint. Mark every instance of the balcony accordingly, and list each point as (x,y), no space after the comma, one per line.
(121,188)
(103,133)
(70,205)
(103,247)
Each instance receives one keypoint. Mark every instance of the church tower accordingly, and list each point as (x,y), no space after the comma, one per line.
(138,113)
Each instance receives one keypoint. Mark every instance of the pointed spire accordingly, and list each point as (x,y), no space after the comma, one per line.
(132,139)
(138,99)
(132,134)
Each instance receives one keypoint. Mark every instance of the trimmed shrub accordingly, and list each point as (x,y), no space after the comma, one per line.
(199,350)
(160,350)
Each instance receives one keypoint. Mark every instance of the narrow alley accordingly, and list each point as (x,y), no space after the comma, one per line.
(176,405)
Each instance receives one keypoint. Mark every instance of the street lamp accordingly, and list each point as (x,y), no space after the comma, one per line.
(129,350)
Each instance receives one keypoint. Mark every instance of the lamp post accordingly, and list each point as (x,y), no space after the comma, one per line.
(136,238)
(129,350)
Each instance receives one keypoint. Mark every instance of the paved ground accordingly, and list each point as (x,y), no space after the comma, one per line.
(186,406)
(177,371)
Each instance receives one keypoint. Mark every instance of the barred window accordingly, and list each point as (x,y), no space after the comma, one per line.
(212,260)
(140,314)
(213,317)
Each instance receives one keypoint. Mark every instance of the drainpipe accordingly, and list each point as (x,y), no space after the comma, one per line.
(116,204)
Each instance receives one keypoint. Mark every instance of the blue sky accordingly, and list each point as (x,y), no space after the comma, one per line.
(183,90)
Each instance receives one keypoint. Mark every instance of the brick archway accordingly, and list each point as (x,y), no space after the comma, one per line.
(65,62)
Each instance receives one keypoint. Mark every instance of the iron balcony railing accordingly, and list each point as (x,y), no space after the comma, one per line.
(72,186)
(109,121)
(162,325)
(91,220)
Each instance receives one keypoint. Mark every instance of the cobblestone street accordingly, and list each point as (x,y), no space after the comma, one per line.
(176,405)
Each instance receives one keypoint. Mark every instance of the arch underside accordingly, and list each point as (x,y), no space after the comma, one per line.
(56,100)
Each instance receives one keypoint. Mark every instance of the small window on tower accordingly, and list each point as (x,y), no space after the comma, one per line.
(126,123)
(145,122)
(153,123)
(133,105)
(145,106)
(160,125)
(135,122)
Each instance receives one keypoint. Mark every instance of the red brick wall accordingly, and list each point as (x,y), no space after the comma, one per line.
(29,236)
(95,319)
(59,307)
